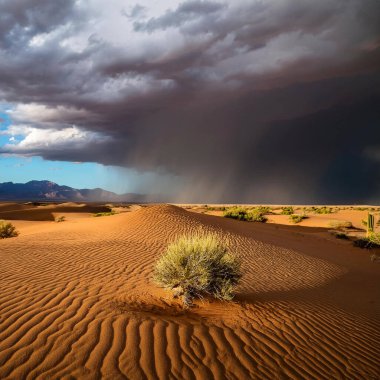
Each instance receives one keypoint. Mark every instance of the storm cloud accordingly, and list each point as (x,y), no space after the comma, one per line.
(250,101)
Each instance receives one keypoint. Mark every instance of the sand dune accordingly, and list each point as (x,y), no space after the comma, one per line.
(77,302)
(46,212)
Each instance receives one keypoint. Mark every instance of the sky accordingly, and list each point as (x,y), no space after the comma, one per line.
(270,101)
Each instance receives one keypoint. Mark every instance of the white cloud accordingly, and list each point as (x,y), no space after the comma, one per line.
(39,139)
(34,113)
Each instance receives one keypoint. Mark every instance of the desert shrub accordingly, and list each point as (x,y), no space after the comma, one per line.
(368,242)
(374,238)
(287,210)
(341,235)
(324,210)
(198,265)
(239,213)
(297,218)
(104,213)
(7,230)
(60,219)
(361,208)
(216,208)
(339,224)
(264,209)
(320,210)
(362,243)
(255,215)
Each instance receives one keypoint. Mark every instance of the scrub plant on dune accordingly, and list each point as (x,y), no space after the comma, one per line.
(340,224)
(251,215)
(108,213)
(289,210)
(7,230)
(239,213)
(297,218)
(198,265)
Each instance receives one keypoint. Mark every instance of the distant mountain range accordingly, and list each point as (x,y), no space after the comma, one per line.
(50,191)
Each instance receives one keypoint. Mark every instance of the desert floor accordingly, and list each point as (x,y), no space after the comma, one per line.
(77,300)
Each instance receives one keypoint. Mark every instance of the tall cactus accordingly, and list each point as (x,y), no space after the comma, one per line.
(370,224)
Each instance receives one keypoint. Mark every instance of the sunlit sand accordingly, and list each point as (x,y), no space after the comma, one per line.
(77,301)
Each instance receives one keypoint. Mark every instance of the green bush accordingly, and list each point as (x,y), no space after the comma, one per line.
(374,238)
(324,210)
(7,230)
(287,210)
(255,215)
(240,213)
(198,265)
(339,224)
(216,208)
(297,218)
(264,209)
(320,210)
(104,213)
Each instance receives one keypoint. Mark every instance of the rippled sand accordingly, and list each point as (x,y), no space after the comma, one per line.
(77,302)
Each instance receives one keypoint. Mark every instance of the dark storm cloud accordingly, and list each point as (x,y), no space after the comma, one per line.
(185,12)
(270,101)
(22,19)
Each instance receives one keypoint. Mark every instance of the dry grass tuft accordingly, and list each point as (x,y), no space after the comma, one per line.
(7,230)
(198,265)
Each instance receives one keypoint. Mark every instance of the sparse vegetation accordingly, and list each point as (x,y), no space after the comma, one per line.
(264,209)
(7,230)
(255,215)
(370,224)
(241,213)
(216,208)
(324,210)
(341,235)
(297,218)
(289,210)
(363,243)
(374,238)
(104,213)
(320,210)
(60,219)
(198,265)
(238,213)
(371,241)
(340,224)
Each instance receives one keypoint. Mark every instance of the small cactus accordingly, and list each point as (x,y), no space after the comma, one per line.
(370,224)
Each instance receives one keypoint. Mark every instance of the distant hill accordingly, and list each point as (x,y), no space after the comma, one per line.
(50,191)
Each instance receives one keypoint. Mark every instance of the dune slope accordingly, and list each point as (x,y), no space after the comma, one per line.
(77,302)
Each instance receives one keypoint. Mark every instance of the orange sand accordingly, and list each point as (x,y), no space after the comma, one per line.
(77,302)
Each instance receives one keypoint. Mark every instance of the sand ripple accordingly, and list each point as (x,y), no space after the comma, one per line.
(78,303)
